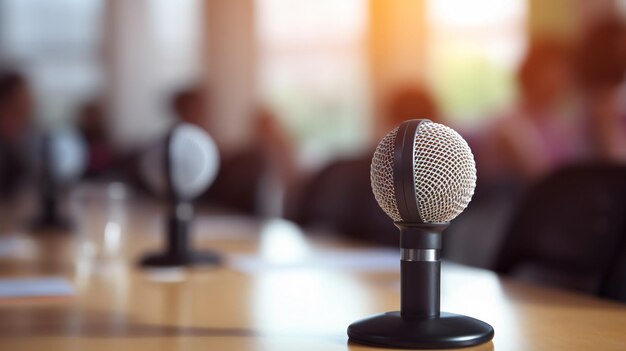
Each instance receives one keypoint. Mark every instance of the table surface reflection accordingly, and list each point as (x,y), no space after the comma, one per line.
(285,305)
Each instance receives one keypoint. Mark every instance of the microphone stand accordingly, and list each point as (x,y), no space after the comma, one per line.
(178,250)
(420,323)
(49,219)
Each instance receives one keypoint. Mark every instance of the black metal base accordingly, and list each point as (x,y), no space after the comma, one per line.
(444,332)
(193,258)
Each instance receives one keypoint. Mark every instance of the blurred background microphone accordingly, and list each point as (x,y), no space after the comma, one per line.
(59,159)
(179,169)
(423,176)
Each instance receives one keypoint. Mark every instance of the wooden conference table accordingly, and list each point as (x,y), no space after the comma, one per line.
(279,290)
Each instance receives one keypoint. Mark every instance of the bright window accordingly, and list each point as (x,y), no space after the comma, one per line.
(57,44)
(474,48)
(176,29)
(312,72)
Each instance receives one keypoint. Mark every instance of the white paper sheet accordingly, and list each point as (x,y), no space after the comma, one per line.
(34,287)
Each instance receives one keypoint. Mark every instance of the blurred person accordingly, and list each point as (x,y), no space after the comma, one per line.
(93,126)
(531,138)
(254,178)
(276,145)
(410,102)
(187,105)
(190,105)
(525,142)
(601,70)
(16,109)
(339,197)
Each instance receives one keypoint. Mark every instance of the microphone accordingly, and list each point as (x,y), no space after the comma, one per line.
(423,176)
(181,168)
(59,160)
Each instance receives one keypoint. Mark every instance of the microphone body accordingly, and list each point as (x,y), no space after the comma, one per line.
(59,160)
(184,166)
(420,269)
(423,175)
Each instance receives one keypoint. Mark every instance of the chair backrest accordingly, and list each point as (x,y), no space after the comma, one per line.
(569,231)
(340,198)
(237,184)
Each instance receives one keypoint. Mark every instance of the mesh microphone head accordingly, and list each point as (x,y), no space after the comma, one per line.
(60,154)
(193,162)
(423,172)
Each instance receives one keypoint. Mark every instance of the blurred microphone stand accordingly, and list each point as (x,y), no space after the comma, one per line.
(49,218)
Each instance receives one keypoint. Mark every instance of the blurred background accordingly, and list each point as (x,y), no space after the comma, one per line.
(298,93)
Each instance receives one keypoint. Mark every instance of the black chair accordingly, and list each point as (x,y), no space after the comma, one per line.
(339,198)
(237,184)
(569,232)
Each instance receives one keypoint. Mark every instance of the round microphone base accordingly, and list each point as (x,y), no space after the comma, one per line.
(193,258)
(447,331)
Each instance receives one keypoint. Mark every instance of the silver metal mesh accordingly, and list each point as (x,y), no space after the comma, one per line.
(444,173)
(381,176)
